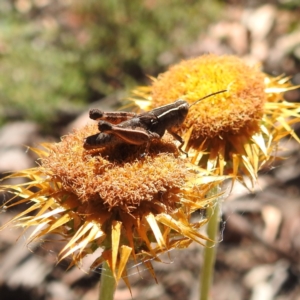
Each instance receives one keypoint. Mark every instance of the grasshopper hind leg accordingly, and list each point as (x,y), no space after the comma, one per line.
(100,140)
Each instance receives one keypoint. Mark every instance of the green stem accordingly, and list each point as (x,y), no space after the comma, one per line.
(107,284)
(210,250)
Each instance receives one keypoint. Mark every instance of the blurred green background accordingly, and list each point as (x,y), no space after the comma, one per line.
(57,56)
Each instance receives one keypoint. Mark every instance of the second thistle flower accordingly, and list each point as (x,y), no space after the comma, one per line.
(233,132)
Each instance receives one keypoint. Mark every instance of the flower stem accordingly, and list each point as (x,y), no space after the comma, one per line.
(107,284)
(210,249)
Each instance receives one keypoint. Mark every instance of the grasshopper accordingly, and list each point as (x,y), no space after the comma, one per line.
(138,129)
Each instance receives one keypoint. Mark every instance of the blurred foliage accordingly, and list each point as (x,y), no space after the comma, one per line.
(289,4)
(57,55)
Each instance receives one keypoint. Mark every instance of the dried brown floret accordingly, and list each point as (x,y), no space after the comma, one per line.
(121,178)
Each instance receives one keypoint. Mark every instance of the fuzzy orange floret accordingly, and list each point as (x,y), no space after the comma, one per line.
(116,179)
(239,108)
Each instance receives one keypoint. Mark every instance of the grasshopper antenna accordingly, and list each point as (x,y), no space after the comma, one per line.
(210,95)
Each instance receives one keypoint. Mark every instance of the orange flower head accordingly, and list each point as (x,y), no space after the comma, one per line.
(133,202)
(239,109)
(235,132)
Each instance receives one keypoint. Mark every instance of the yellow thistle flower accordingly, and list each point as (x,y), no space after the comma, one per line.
(131,202)
(235,132)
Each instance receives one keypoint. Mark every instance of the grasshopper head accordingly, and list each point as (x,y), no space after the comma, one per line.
(179,114)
